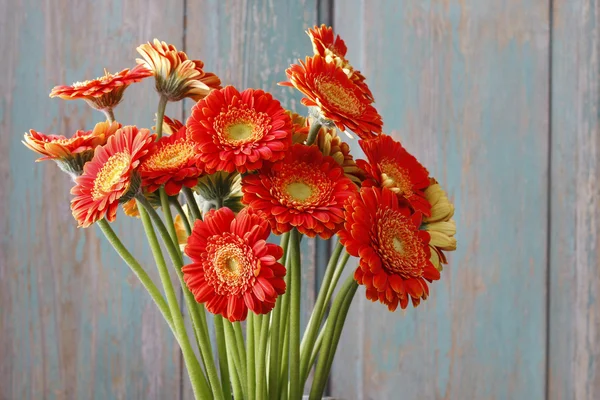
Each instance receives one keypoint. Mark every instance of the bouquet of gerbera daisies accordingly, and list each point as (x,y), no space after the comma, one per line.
(240,169)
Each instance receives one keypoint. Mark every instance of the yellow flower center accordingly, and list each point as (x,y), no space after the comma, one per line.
(299,190)
(395,177)
(400,247)
(341,97)
(233,269)
(171,156)
(111,173)
(239,131)
(239,126)
(302,187)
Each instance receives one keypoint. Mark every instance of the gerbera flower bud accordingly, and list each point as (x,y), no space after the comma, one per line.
(233,268)
(172,163)
(305,190)
(103,93)
(439,224)
(394,253)
(238,131)
(333,98)
(176,76)
(221,189)
(70,154)
(111,176)
(333,49)
(390,165)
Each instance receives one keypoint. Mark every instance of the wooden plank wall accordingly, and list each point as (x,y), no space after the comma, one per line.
(498,98)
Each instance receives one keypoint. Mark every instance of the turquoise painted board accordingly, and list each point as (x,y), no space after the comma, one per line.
(574,369)
(74,321)
(464,85)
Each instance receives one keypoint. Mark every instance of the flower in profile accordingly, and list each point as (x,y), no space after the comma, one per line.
(390,165)
(439,224)
(111,176)
(299,127)
(177,77)
(305,190)
(238,131)
(332,145)
(394,253)
(172,163)
(105,92)
(333,98)
(219,189)
(233,268)
(333,49)
(70,154)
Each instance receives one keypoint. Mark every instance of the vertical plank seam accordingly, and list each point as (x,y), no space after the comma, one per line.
(549,202)
(182,370)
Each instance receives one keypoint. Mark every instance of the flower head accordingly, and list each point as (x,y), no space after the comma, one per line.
(305,190)
(390,165)
(394,254)
(333,49)
(233,268)
(334,96)
(238,131)
(439,224)
(176,76)
(105,92)
(111,176)
(172,163)
(72,153)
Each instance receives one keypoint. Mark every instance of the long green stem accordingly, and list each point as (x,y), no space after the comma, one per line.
(222,349)
(284,329)
(199,384)
(295,289)
(160,115)
(191,202)
(139,271)
(110,115)
(233,345)
(261,372)
(250,364)
(339,311)
(336,276)
(239,338)
(203,338)
(312,133)
(166,207)
(184,217)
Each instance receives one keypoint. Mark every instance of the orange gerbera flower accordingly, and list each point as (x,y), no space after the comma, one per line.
(111,176)
(238,131)
(334,96)
(394,254)
(170,126)
(305,190)
(105,92)
(70,153)
(333,49)
(233,268)
(390,165)
(172,162)
(176,76)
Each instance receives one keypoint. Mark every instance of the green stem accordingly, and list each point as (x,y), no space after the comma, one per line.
(201,332)
(317,346)
(222,349)
(184,218)
(332,334)
(239,338)
(261,362)
(295,292)
(110,115)
(139,271)
(336,275)
(313,132)
(160,115)
(233,345)
(284,329)
(316,317)
(199,384)
(191,202)
(166,207)
(250,362)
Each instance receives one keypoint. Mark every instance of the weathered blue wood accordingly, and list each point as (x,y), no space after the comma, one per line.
(464,85)
(574,371)
(75,323)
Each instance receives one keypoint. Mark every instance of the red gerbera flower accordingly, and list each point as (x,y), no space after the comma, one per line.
(170,126)
(305,190)
(239,130)
(105,92)
(233,268)
(390,165)
(338,99)
(110,177)
(333,49)
(394,254)
(172,163)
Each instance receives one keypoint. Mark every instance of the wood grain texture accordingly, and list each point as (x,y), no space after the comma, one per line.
(574,371)
(464,85)
(249,44)
(75,322)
